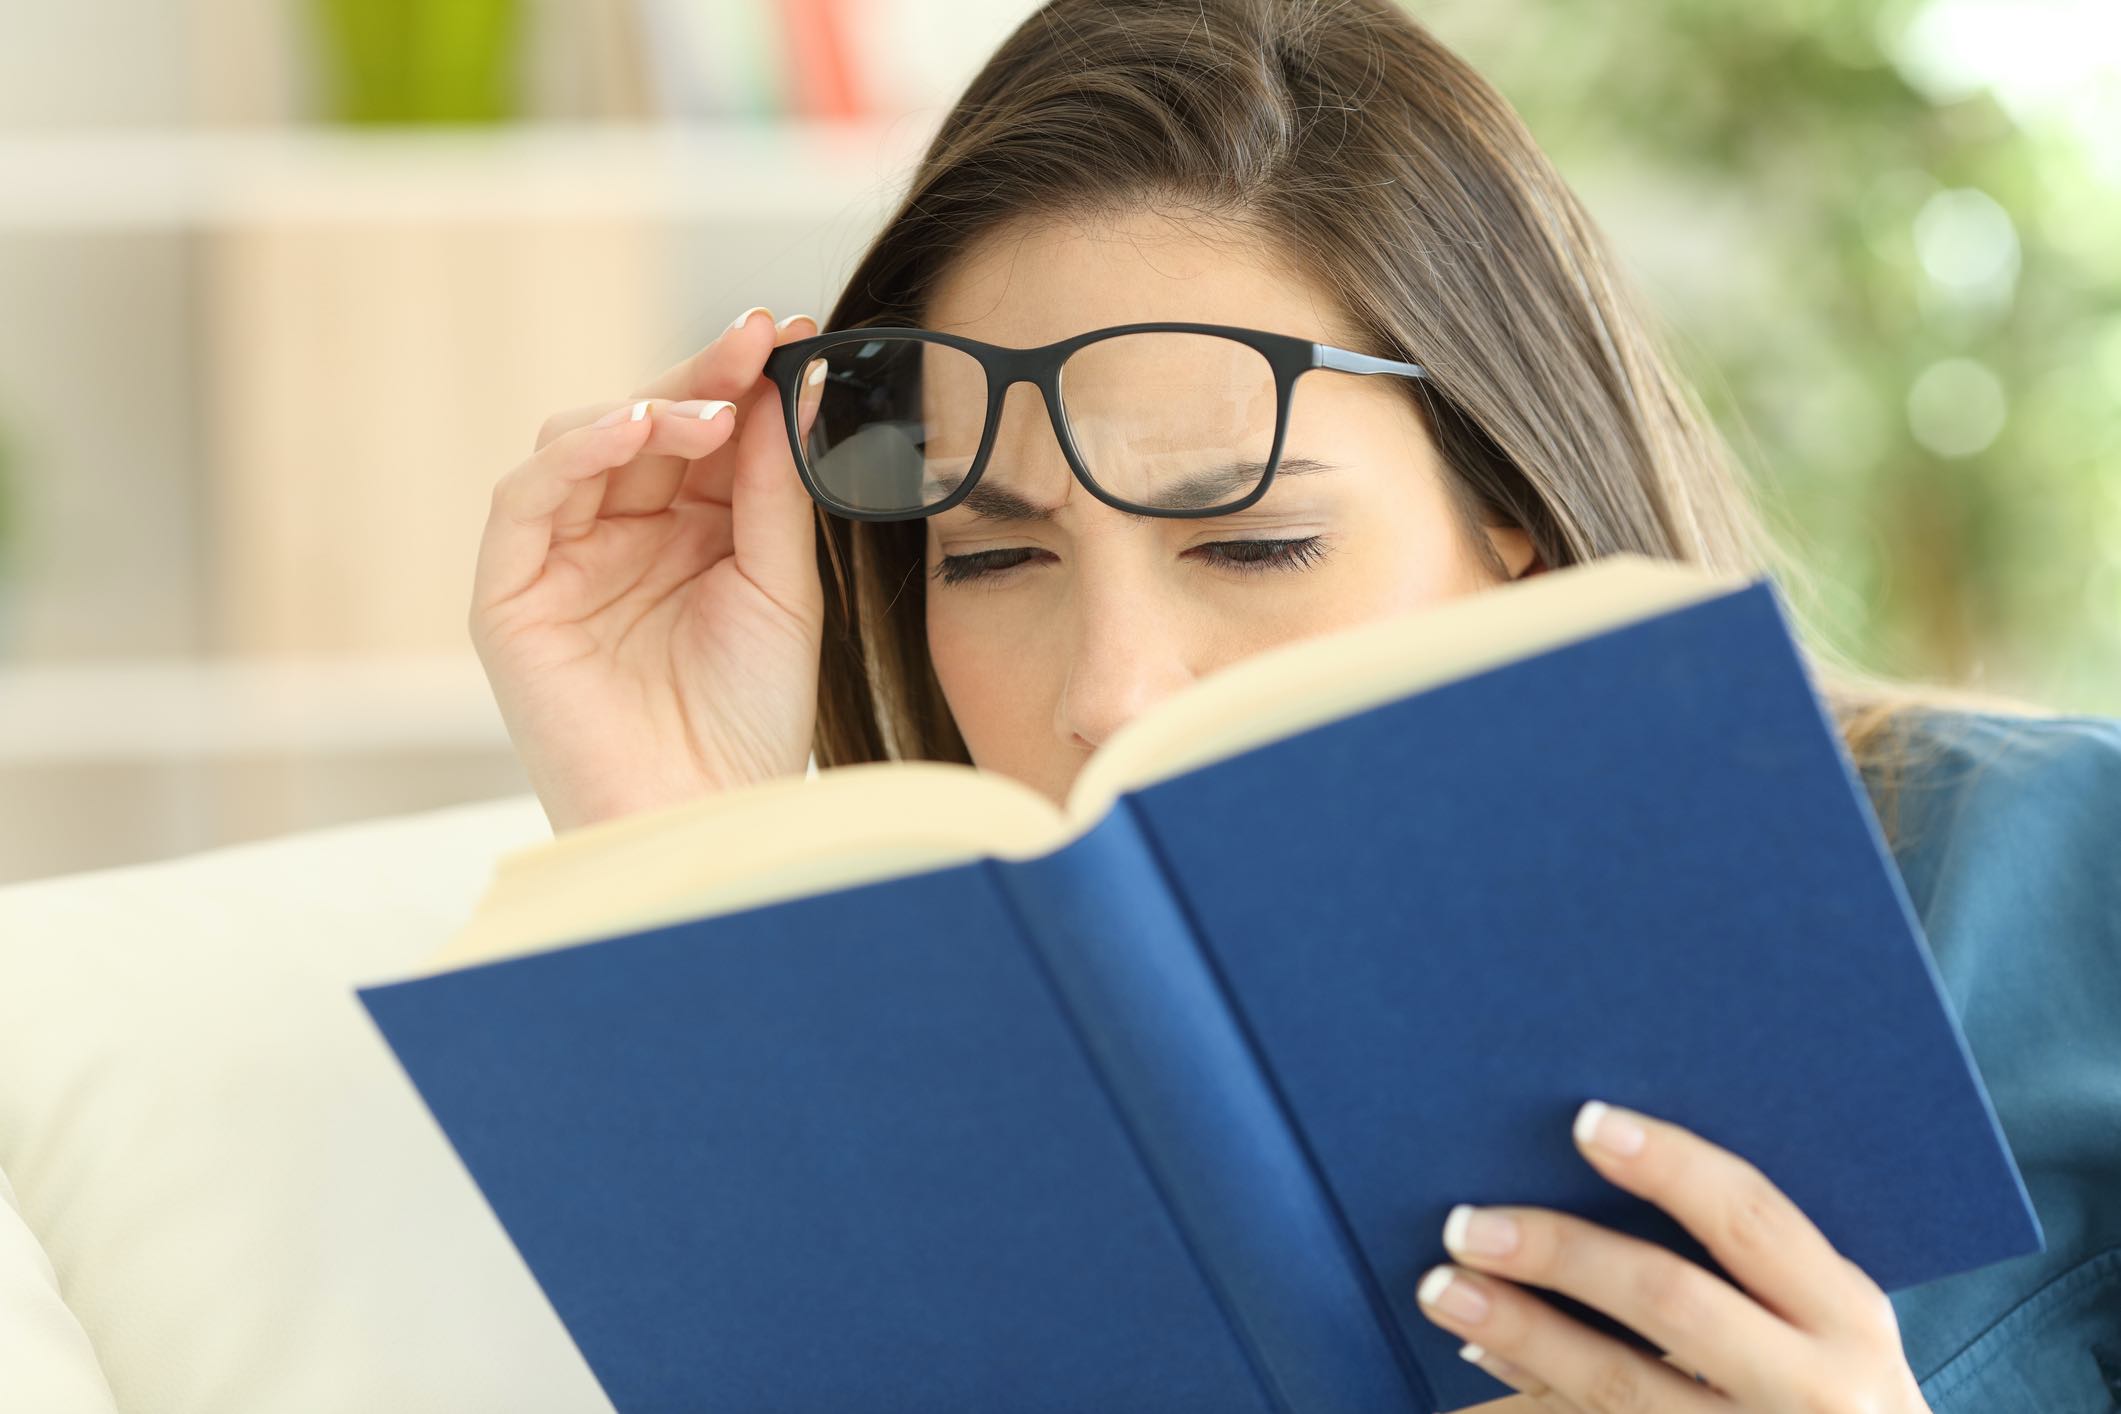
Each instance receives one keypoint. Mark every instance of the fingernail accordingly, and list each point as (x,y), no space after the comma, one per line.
(696,407)
(783,324)
(1443,1289)
(743,318)
(1477,1231)
(634,413)
(816,374)
(1495,1365)
(1600,1126)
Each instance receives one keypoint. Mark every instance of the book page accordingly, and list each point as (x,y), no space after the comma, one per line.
(781,839)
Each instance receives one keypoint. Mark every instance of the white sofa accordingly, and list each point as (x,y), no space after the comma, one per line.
(218,1192)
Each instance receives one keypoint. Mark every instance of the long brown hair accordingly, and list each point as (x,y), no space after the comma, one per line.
(1343,136)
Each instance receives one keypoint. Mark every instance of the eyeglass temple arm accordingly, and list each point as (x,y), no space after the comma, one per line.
(1349,361)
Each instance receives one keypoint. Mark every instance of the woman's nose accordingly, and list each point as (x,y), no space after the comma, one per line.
(1123,658)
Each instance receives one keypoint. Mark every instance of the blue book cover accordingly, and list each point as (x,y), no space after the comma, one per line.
(1168,1116)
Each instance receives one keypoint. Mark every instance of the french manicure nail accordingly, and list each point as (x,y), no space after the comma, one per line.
(1475,1230)
(1494,1364)
(1443,1289)
(634,413)
(782,324)
(745,317)
(696,407)
(1600,1126)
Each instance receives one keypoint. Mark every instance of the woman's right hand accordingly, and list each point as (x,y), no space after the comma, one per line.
(646,603)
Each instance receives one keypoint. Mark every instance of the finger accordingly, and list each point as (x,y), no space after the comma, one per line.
(732,369)
(714,479)
(726,367)
(1531,1386)
(1750,1226)
(679,434)
(773,521)
(677,437)
(525,501)
(671,384)
(1697,1316)
(1584,1367)
(1515,1376)
(580,415)
(729,370)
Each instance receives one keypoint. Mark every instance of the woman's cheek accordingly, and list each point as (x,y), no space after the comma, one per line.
(981,671)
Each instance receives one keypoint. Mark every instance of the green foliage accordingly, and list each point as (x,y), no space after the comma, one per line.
(1887,273)
(9,527)
(420,61)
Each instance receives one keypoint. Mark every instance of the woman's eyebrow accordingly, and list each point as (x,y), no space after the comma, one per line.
(989,502)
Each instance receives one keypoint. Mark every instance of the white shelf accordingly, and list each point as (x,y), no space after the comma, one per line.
(174,709)
(70,179)
(149,710)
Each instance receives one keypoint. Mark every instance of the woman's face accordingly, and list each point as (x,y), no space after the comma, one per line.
(1098,617)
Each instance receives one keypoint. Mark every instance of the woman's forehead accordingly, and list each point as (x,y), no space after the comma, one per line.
(1035,283)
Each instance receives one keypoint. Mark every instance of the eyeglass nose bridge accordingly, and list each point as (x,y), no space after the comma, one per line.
(1041,367)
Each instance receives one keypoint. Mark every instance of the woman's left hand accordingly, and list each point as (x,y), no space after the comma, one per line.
(1809,1333)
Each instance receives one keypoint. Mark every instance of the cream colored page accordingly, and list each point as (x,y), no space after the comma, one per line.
(1285,690)
(784,839)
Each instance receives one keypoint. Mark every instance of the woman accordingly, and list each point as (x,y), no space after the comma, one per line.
(650,605)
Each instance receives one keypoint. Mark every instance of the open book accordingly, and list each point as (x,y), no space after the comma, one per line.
(901,1087)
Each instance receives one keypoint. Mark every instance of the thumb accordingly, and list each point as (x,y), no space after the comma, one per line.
(773,517)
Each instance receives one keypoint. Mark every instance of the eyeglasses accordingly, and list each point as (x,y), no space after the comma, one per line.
(1156,419)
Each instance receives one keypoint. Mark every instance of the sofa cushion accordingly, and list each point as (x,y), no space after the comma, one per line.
(46,1360)
(222,1194)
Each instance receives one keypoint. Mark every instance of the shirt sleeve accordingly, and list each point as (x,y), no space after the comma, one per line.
(2012,858)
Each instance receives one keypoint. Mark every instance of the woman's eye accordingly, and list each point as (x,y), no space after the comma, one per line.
(1301,553)
(1243,556)
(956,569)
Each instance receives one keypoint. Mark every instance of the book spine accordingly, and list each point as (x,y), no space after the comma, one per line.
(1121,954)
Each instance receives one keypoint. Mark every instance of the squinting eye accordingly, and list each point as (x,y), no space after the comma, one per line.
(1274,554)
(1243,556)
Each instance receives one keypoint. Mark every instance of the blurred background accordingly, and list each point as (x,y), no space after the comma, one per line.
(285,285)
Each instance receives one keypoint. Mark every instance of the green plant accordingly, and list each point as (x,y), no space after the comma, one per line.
(8,527)
(10,533)
(1907,315)
(420,61)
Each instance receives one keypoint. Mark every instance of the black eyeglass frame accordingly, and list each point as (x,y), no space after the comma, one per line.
(1288,356)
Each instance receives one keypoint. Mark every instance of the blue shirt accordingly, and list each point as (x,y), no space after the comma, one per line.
(2010,847)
